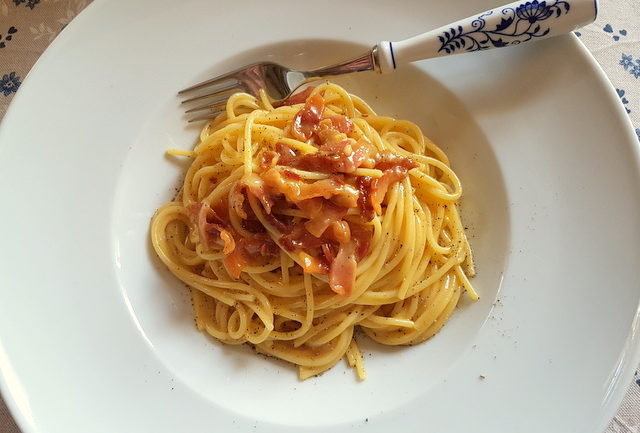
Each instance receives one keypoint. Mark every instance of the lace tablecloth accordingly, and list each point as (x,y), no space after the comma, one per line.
(28,26)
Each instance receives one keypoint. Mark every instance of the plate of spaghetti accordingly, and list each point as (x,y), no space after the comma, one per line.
(335,219)
(451,247)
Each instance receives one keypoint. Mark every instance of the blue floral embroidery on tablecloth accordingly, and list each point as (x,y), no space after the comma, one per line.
(28,3)
(6,38)
(630,64)
(638,134)
(626,61)
(624,99)
(616,36)
(9,83)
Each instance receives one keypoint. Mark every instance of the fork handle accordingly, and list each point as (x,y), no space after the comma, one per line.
(511,24)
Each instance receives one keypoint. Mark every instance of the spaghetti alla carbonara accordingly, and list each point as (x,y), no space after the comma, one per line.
(298,225)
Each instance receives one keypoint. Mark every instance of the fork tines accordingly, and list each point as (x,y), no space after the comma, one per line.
(210,97)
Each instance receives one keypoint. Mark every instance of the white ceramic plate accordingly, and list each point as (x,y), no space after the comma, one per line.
(96,336)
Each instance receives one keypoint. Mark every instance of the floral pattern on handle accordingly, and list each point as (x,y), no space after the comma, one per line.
(519,24)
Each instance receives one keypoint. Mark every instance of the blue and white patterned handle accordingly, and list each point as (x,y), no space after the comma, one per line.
(511,24)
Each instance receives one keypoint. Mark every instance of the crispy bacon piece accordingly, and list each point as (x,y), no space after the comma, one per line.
(343,156)
(235,263)
(279,225)
(312,265)
(328,253)
(194,210)
(341,266)
(253,225)
(372,191)
(387,161)
(299,97)
(236,200)
(240,251)
(380,186)
(211,228)
(322,213)
(312,207)
(341,231)
(246,250)
(256,187)
(227,238)
(341,123)
(367,212)
(289,175)
(299,238)
(329,135)
(342,274)
(221,210)
(295,191)
(268,159)
(260,244)
(286,155)
(305,123)
(361,235)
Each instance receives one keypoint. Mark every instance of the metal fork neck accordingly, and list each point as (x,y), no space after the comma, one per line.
(366,62)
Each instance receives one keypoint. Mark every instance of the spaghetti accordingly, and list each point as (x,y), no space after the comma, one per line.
(297,225)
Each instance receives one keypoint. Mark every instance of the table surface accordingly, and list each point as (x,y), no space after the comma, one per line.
(28,26)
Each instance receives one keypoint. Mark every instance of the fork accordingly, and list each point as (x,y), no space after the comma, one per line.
(511,24)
